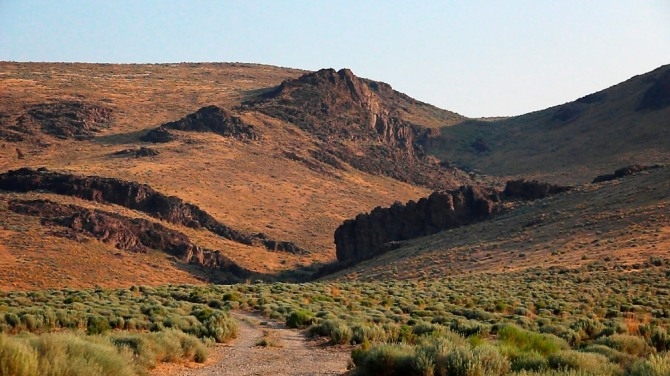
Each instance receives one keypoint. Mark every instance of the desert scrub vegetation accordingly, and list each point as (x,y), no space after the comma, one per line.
(596,320)
(107,332)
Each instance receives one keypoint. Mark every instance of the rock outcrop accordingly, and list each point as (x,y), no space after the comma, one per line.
(377,232)
(67,119)
(620,173)
(128,234)
(137,153)
(136,196)
(207,119)
(363,123)
(531,190)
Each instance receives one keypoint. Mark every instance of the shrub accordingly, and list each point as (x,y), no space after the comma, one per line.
(632,345)
(574,360)
(621,358)
(338,331)
(491,361)
(68,354)
(299,319)
(17,358)
(656,365)
(458,362)
(525,341)
(384,359)
(97,325)
(529,361)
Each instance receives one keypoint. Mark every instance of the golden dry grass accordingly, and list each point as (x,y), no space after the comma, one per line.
(248,186)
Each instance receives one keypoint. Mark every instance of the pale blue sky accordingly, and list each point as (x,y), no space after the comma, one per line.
(478,58)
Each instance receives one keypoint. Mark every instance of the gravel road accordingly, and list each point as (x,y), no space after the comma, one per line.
(292,355)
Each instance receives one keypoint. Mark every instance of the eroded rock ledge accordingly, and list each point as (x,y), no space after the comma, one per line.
(128,234)
(207,119)
(374,233)
(136,196)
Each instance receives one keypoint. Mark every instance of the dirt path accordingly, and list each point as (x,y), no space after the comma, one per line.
(292,354)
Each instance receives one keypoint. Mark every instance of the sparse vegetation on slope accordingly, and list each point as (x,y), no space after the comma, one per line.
(513,323)
(569,143)
(107,332)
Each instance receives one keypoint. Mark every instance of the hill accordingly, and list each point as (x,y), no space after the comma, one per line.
(231,150)
(243,172)
(569,143)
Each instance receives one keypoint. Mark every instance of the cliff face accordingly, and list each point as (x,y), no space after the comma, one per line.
(363,123)
(373,233)
(136,196)
(368,234)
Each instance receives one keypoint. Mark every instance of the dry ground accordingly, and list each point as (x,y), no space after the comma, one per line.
(292,354)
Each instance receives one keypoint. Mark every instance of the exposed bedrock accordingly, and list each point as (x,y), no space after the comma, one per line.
(374,233)
(207,119)
(124,233)
(136,196)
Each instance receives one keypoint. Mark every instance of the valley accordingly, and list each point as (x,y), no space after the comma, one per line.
(143,203)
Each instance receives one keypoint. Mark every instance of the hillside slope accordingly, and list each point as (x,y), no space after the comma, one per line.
(257,173)
(621,222)
(628,123)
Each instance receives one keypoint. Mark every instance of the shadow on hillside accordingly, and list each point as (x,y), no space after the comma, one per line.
(305,273)
(121,138)
(255,93)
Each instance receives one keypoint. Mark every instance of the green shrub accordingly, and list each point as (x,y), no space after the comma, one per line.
(655,365)
(632,345)
(374,333)
(491,361)
(525,341)
(384,359)
(97,325)
(530,361)
(621,358)
(299,319)
(423,363)
(459,362)
(579,361)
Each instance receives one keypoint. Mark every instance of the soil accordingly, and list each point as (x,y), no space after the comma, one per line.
(293,354)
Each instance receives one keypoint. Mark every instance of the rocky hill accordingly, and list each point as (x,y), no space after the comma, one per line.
(365,124)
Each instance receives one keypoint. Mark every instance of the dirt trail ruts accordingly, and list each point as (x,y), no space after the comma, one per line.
(294,355)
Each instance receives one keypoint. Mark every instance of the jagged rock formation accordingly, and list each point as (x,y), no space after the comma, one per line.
(138,153)
(363,123)
(129,234)
(531,190)
(134,196)
(373,233)
(620,173)
(207,119)
(66,119)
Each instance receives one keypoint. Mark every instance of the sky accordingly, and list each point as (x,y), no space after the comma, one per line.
(477,58)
